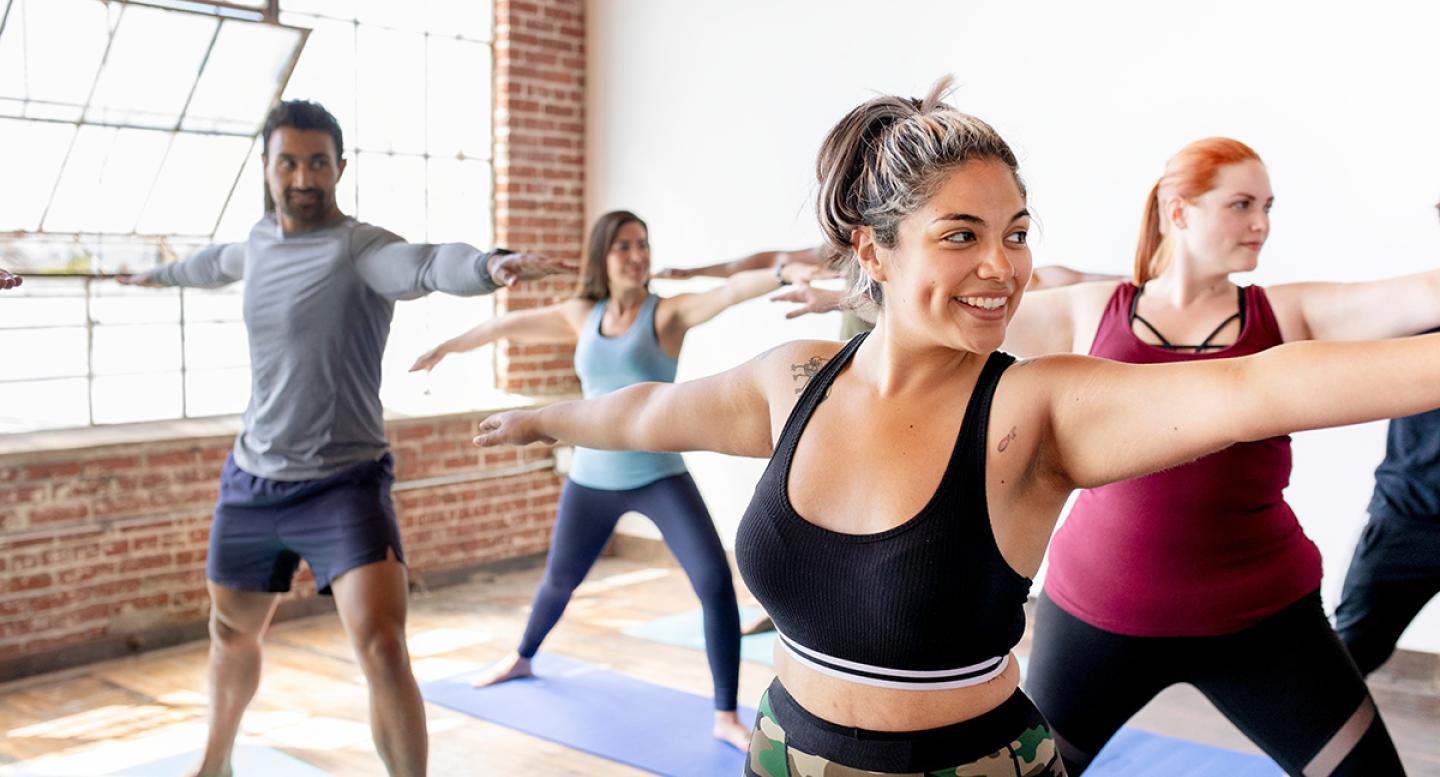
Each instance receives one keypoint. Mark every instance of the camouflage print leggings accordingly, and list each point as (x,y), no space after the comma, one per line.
(1028,751)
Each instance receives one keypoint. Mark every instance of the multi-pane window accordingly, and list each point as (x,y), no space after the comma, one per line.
(130,138)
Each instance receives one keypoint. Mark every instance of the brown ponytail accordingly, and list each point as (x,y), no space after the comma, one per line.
(1147,252)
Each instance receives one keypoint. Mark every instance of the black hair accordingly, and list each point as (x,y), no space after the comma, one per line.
(302,115)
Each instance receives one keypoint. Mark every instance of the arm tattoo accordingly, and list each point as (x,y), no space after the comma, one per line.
(807,370)
(1009,438)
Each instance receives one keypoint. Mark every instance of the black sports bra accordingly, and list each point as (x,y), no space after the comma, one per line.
(928,604)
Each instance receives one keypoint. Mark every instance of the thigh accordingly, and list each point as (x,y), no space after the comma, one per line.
(348,524)
(675,506)
(245,552)
(235,613)
(583,524)
(1088,682)
(373,599)
(1290,686)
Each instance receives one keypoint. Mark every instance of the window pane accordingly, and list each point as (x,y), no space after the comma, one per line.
(125,398)
(121,350)
(459,203)
(105,181)
(152,66)
(247,201)
(211,346)
(326,72)
(45,404)
(241,77)
(388,13)
(43,353)
(42,302)
(217,392)
(111,303)
(391,115)
(392,194)
(460,17)
(459,98)
(51,50)
(191,189)
(30,155)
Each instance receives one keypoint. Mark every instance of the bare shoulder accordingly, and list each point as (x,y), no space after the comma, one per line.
(785,370)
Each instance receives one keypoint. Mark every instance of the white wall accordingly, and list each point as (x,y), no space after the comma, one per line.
(704,117)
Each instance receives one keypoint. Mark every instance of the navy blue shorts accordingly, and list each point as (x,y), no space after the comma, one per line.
(263,527)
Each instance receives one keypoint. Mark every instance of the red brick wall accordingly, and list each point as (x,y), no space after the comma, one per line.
(110,542)
(539,166)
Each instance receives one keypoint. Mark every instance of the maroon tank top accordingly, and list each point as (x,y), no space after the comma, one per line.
(1202,549)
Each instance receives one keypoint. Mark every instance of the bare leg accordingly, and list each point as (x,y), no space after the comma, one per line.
(238,620)
(372,605)
(730,730)
(511,667)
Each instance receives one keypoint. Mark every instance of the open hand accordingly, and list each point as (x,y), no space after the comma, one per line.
(430,358)
(803,272)
(138,279)
(512,427)
(810,299)
(509,269)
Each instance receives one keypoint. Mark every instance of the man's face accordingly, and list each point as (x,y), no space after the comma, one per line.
(302,168)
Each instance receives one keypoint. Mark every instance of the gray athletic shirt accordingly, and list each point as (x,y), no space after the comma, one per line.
(317,309)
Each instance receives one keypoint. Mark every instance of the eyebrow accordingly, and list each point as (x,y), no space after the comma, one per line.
(1246,196)
(1024,212)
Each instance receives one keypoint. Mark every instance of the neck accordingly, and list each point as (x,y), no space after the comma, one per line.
(290,226)
(625,299)
(1183,283)
(895,365)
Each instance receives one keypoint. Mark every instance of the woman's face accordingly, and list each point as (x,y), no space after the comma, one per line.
(961,262)
(627,265)
(1226,227)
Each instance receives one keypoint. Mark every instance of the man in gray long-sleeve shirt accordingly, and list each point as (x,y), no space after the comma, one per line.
(310,473)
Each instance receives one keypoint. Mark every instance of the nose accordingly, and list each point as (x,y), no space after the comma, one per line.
(996,265)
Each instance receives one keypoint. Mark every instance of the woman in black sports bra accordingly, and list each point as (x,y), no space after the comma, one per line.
(915,473)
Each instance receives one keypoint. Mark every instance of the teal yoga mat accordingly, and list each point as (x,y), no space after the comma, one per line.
(686,630)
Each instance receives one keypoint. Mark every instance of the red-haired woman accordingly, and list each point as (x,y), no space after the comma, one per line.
(1201,574)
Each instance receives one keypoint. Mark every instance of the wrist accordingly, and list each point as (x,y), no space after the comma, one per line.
(780,273)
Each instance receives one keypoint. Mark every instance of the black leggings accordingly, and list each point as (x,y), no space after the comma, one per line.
(587,518)
(1287,683)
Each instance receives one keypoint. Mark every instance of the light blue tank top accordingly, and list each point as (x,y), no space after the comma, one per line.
(606,364)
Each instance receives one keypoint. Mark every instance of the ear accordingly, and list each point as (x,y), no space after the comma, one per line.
(340,168)
(1174,211)
(873,257)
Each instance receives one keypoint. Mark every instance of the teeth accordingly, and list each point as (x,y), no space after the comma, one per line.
(984,303)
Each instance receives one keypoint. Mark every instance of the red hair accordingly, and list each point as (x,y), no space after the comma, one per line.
(1188,174)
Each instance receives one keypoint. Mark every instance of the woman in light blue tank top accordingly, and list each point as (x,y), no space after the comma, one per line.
(623,334)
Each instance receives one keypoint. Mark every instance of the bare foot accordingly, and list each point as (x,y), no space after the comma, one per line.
(730,730)
(762,623)
(511,667)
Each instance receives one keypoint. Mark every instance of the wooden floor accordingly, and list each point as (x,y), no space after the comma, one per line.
(312,702)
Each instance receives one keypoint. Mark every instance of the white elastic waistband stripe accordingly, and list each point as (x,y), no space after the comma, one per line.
(898,684)
(802,651)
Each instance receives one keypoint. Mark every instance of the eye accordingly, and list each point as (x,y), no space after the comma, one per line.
(962,237)
(1241,205)
(1019,237)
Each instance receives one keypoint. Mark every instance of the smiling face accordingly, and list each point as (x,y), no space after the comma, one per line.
(960,262)
(1225,228)
(627,264)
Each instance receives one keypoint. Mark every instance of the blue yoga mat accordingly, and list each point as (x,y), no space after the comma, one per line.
(605,713)
(687,629)
(1136,753)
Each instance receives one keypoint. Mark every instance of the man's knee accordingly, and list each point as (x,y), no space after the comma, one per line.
(381,650)
(230,634)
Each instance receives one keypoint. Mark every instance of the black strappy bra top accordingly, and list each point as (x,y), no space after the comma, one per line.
(1205,345)
(928,604)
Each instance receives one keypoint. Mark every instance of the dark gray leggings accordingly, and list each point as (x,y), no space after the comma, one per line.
(585,521)
(1287,683)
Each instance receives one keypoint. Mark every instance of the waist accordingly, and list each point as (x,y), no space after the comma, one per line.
(892,705)
(622,470)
